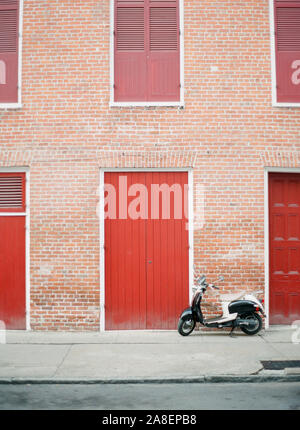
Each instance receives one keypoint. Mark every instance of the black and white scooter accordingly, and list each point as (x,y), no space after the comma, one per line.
(239,310)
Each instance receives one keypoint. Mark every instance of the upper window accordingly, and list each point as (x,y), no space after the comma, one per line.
(146,51)
(9,51)
(287,50)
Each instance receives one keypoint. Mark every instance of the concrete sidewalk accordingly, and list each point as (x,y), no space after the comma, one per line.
(140,356)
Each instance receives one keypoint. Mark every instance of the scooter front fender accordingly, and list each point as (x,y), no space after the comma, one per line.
(191,313)
(188,313)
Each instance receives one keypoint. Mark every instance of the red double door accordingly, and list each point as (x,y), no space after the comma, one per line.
(146,249)
(284,237)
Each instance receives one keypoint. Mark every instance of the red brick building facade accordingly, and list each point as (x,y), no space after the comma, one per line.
(226,130)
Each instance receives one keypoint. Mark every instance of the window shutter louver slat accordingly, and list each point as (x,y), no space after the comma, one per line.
(9,38)
(287,31)
(8,31)
(12,192)
(163,29)
(130,29)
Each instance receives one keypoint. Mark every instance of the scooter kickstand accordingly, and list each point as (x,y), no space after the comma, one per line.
(231,332)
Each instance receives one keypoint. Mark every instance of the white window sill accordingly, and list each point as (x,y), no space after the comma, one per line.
(276,104)
(146,104)
(10,105)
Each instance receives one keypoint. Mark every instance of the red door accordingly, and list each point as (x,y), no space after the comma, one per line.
(146,250)
(284,213)
(12,250)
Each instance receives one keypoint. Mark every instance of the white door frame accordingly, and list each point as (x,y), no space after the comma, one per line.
(102,228)
(27,233)
(268,170)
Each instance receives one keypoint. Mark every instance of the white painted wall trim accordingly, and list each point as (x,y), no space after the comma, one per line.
(14,169)
(102,251)
(27,234)
(273,56)
(111,52)
(191,230)
(266,235)
(179,104)
(27,257)
(273,61)
(102,228)
(268,170)
(18,105)
(146,104)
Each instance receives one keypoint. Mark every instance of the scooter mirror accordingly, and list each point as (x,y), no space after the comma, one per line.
(201,279)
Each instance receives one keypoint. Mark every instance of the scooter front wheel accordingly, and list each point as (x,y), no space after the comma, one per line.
(186,326)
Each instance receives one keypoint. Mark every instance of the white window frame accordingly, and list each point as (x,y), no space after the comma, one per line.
(18,104)
(180,103)
(275,103)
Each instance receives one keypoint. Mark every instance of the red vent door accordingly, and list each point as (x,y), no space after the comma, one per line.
(287,31)
(12,251)
(284,232)
(164,60)
(9,36)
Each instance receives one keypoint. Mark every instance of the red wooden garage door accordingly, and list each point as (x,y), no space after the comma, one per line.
(12,250)
(146,250)
(284,204)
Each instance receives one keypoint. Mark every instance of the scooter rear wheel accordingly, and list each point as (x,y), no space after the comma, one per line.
(258,325)
(186,326)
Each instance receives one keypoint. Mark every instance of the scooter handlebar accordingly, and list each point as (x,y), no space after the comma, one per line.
(213,286)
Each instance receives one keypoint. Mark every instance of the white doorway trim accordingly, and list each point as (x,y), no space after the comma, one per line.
(102,228)
(27,234)
(268,170)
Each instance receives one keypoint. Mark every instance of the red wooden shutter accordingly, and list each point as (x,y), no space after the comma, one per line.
(12,192)
(164,75)
(130,53)
(287,36)
(147,50)
(9,37)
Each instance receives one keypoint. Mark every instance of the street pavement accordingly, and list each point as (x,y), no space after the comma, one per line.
(146,356)
(184,396)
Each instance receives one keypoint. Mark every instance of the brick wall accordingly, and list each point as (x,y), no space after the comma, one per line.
(228,132)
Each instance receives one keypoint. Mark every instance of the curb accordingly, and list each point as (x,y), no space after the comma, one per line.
(201,379)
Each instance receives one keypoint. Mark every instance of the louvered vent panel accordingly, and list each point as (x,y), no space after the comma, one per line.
(8,30)
(288,28)
(11,192)
(163,29)
(130,29)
